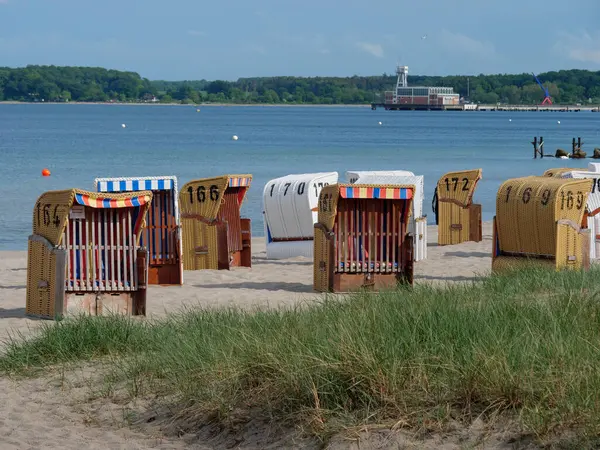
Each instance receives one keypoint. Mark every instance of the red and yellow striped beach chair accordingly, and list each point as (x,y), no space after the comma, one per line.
(361,237)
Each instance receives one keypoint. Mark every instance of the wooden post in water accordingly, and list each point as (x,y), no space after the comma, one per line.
(538,148)
(577,151)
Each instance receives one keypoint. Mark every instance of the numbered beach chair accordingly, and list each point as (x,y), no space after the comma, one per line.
(361,237)
(458,219)
(162,236)
(556,172)
(84,254)
(290,213)
(417,224)
(214,234)
(541,220)
(592,210)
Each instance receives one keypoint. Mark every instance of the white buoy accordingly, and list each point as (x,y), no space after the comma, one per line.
(379,123)
(123,125)
(510,120)
(198,110)
(558,122)
(234,137)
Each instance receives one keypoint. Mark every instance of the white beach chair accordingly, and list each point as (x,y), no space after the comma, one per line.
(290,212)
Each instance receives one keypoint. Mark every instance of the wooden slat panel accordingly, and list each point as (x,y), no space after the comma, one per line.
(394,238)
(119,251)
(366,250)
(132,251)
(230,212)
(106,251)
(81,282)
(158,231)
(369,235)
(125,244)
(111,226)
(388,227)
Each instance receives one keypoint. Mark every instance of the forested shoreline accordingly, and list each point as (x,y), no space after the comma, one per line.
(94,84)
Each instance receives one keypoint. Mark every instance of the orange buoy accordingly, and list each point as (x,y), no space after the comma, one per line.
(45,173)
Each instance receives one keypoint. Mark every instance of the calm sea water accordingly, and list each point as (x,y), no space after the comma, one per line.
(81,142)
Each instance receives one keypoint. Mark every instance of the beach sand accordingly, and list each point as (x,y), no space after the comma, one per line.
(56,411)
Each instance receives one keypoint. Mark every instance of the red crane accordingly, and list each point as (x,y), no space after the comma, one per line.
(547,98)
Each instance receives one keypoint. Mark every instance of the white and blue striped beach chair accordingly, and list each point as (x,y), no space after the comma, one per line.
(162,235)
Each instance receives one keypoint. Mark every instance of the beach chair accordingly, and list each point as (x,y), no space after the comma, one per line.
(290,213)
(162,235)
(458,219)
(592,210)
(556,172)
(541,220)
(214,234)
(84,254)
(361,237)
(417,224)
(353,175)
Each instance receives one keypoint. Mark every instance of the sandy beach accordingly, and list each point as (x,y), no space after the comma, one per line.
(55,411)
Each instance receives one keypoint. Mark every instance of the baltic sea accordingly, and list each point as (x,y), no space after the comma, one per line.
(81,142)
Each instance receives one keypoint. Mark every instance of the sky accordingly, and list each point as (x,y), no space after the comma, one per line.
(230,39)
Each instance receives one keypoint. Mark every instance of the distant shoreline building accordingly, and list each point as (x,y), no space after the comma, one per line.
(418,97)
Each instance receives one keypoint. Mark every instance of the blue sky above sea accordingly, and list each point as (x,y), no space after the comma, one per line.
(187,39)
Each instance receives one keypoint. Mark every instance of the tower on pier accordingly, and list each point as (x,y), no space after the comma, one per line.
(402,73)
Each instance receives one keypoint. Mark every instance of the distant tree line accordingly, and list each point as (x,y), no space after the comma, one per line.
(63,84)
(52,83)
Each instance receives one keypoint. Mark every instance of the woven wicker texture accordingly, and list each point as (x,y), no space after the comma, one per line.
(556,172)
(323,263)
(51,210)
(528,210)
(455,194)
(328,199)
(322,267)
(41,279)
(199,202)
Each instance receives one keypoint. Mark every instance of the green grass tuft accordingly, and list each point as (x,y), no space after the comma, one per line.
(525,344)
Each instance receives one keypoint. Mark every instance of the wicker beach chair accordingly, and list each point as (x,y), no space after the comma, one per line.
(458,219)
(592,210)
(84,254)
(541,220)
(417,224)
(162,235)
(361,237)
(214,234)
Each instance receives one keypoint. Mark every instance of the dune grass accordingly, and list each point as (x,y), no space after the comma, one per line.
(525,345)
